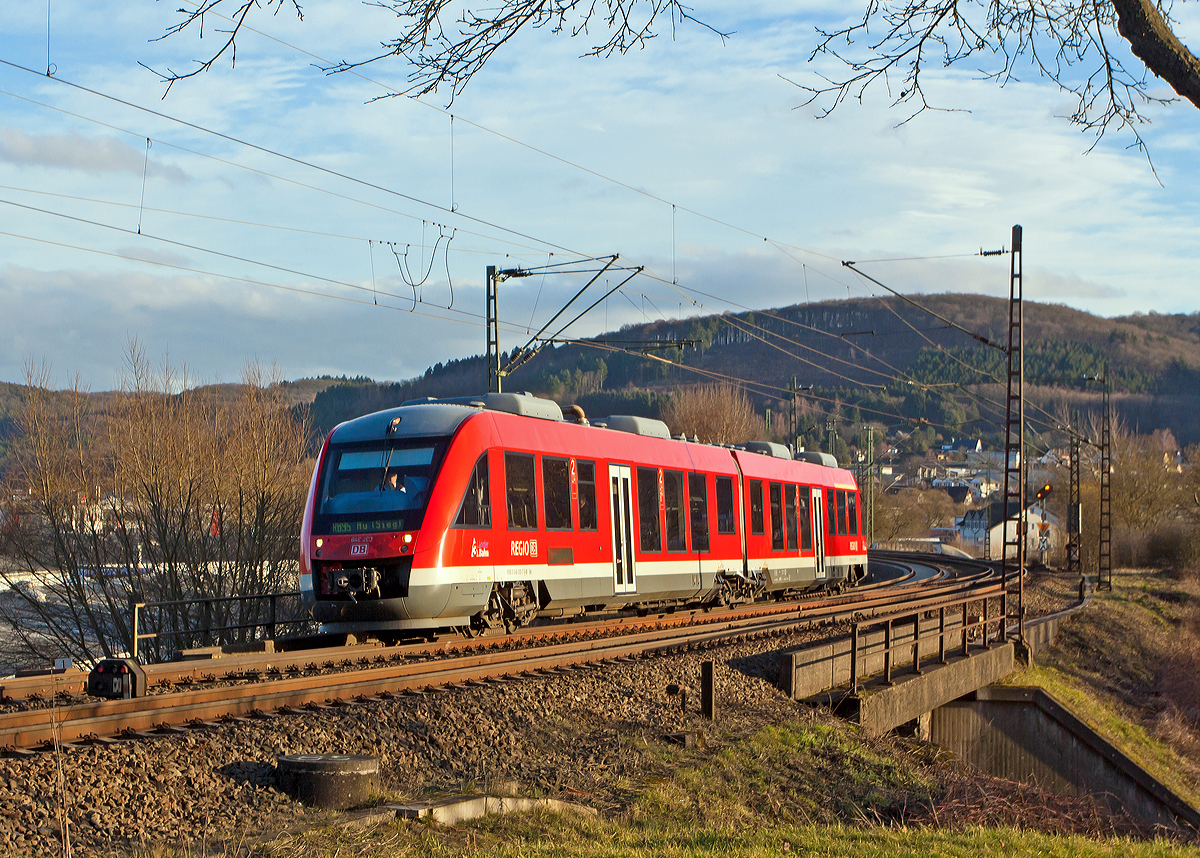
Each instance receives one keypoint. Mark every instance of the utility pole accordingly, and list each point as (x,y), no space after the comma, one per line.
(493,333)
(1074,508)
(795,391)
(1104,566)
(831,428)
(1014,443)
(866,485)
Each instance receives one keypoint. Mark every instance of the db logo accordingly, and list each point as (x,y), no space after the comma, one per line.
(358,550)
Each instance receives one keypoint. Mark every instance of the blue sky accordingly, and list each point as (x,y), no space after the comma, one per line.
(233,240)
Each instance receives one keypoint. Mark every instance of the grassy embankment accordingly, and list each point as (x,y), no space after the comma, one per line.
(1129,666)
(808,788)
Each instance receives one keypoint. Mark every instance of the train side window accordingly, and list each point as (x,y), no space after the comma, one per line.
(756,508)
(698,501)
(725,510)
(777,543)
(649,529)
(841,512)
(830,512)
(476,509)
(805,512)
(556,493)
(673,495)
(789,515)
(852,500)
(586,479)
(522,496)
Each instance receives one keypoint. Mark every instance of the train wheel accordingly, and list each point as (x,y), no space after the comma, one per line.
(511,606)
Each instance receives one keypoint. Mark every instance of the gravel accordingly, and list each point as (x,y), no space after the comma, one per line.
(563,734)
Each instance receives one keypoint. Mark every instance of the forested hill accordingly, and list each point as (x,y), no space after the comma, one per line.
(865,359)
(882,361)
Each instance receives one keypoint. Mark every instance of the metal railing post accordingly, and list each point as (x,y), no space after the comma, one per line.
(942,635)
(137,611)
(985,622)
(854,660)
(887,652)
(966,643)
(271,627)
(917,643)
(206,622)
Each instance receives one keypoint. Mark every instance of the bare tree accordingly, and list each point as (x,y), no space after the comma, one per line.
(170,494)
(1070,42)
(715,413)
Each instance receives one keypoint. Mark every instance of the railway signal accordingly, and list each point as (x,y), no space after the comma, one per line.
(1044,491)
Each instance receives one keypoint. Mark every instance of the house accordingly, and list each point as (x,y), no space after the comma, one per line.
(963,445)
(981,529)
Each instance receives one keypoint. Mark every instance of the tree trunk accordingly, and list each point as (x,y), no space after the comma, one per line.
(1152,40)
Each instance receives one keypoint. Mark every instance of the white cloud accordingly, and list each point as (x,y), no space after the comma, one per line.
(74,151)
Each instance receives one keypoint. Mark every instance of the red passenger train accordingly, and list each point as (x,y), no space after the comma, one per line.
(485,512)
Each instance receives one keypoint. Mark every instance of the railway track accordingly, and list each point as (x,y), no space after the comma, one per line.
(191,695)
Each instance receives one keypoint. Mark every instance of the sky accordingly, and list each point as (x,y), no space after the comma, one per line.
(270,213)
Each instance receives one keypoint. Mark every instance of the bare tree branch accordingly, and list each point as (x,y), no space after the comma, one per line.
(1065,41)
(1150,36)
(450,54)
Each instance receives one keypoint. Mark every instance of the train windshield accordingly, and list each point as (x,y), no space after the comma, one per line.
(367,488)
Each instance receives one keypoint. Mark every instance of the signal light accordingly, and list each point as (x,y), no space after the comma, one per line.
(1044,491)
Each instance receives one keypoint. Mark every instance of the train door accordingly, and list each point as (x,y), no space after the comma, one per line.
(622,528)
(816,511)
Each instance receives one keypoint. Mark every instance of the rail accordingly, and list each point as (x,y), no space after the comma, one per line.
(913,618)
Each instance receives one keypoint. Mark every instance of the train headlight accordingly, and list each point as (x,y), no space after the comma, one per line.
(320,542)
(407,538)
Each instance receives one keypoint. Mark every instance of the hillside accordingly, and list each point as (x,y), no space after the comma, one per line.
(882,361)
(865,359)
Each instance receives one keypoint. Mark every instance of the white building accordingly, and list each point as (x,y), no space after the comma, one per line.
(981,530)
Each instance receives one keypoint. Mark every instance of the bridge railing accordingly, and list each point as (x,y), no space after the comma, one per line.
(964,627)
(214,621)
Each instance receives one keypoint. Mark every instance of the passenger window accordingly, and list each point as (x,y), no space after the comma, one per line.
(522,497)
(777,542)
(830,512)
(476,509)
(674,501)
(789,515)
(556,493)
(725,508)
(805,512)
(852,499)
(586,480)
(649,529)
(841,512)
(756,508)
(698,501)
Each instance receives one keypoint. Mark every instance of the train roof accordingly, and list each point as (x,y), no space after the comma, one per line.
(430,417)
(416,421)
